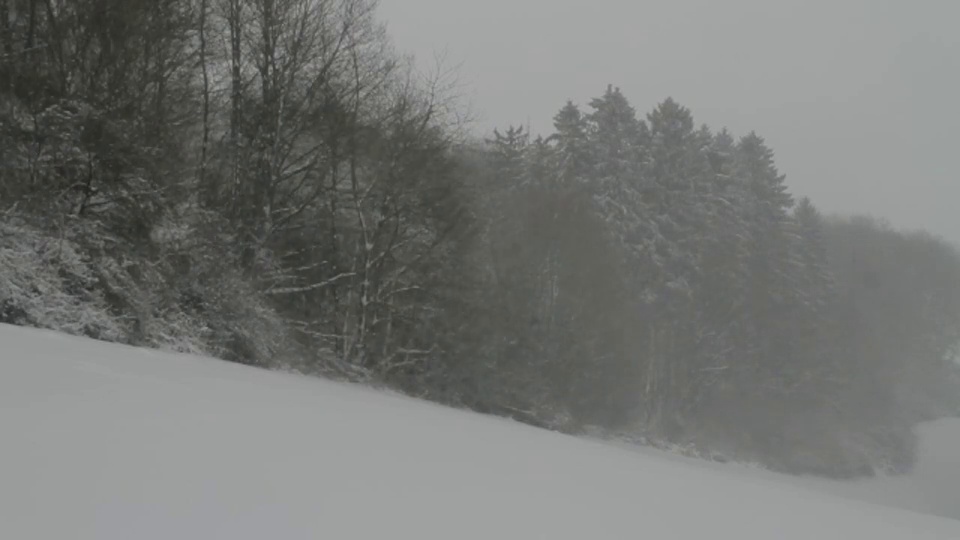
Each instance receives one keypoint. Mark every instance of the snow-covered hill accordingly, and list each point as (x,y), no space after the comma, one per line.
(109,442)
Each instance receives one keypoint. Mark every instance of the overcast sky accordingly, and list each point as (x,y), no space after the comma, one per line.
(860,99)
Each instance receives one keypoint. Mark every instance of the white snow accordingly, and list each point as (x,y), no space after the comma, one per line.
(109,442)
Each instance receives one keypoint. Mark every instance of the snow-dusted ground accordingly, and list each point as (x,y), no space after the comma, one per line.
(933,487)
(108,442)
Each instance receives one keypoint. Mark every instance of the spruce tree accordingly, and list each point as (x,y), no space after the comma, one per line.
(573,158)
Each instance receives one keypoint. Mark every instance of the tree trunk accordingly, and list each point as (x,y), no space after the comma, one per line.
(6,32)
(236,94)
(205,95)
(31,25)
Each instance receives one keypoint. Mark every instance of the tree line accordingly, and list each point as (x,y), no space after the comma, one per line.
(270,182)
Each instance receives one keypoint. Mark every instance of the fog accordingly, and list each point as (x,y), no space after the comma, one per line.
(275,183)
(857,98)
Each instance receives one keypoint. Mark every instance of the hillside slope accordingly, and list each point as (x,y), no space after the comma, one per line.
(110,442)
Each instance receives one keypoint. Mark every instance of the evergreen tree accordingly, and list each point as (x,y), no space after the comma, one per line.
(508,152)
(571,147)
(618,141)
(618,137)
(772,297)
(818,284)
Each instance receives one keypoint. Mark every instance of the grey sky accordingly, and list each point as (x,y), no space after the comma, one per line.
(860,99)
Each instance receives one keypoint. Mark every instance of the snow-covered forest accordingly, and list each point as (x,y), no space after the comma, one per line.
(272,183)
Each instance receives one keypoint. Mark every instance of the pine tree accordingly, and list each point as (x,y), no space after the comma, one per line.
(618,141)
(508,151)
(818,283)
(773,300)
(815,319)
(677,189)
(721,293)
(617,136)
(573,158)
(755,166)
(768,206)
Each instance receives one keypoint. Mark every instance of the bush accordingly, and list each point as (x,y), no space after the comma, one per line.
(200,298)
(48,282)
(179,296)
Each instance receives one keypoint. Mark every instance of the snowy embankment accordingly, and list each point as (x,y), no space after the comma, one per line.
(109,442)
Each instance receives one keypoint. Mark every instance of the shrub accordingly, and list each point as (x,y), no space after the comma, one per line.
(48,282)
